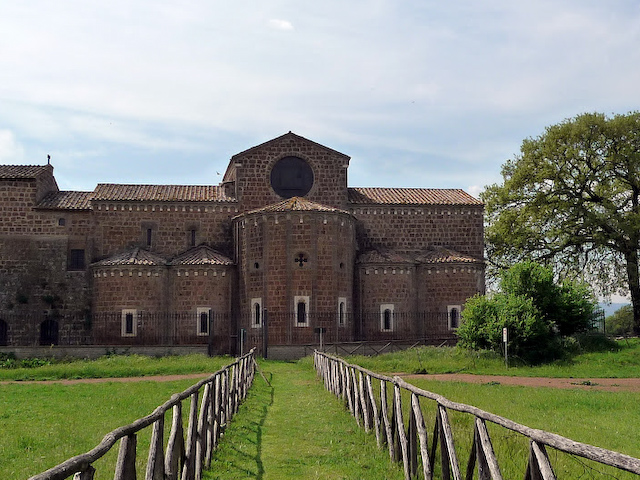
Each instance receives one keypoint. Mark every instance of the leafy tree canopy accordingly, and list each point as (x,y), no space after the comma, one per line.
(536,311)
(621,322)
(571,199)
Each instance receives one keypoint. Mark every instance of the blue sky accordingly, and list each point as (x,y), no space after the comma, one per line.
(418,93)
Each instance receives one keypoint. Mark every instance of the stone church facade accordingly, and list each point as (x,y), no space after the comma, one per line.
(282,244)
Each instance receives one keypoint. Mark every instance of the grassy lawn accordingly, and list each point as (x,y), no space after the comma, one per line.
(117,366)
(295,429)
(621,361)
(44,424)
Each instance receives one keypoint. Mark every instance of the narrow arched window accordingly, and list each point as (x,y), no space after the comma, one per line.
(256,314)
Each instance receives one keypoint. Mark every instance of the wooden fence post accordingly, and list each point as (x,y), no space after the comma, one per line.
(188,469)
(126,463)
(155,462)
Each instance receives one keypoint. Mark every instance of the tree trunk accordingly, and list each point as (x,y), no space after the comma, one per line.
(633,276)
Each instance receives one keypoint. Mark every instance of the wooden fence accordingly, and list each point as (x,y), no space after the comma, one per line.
(184,458)
(409,444)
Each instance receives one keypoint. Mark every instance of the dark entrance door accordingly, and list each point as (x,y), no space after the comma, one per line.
(49,332)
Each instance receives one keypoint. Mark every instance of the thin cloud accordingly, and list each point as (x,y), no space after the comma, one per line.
(279,24)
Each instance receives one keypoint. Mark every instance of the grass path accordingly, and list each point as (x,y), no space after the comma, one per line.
(296,429)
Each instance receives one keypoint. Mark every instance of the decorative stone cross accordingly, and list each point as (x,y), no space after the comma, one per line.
(300,260)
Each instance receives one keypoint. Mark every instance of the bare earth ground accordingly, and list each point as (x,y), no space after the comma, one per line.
(607,384)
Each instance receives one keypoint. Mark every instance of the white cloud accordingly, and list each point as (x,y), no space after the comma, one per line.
(279,24)
(10,150)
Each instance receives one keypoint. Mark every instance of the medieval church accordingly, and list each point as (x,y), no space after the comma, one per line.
(281,246)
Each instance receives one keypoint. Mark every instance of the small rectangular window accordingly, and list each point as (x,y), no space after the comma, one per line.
(129,323)
(149,236)
(76,259)
(192,237)
(204,318)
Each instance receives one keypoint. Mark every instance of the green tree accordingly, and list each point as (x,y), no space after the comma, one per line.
(571,199)
(621,322)
(536,311)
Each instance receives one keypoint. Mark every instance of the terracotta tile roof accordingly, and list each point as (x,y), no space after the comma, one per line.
(66,201)
(159,193)
(134,256)
(435,255)
(445,255)
(23,171)
(296,204)
(411,196)
(201,255)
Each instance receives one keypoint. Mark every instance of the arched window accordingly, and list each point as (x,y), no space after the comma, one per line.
(341,313)
(256,312)
(453,314)
(386,317)
(204,320)
(301,305)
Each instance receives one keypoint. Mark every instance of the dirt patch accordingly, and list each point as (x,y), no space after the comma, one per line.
(607,384)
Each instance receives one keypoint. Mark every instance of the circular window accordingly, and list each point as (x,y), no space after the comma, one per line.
(291,177)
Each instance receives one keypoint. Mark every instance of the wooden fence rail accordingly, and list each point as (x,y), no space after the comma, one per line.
(184,458)
(408,441)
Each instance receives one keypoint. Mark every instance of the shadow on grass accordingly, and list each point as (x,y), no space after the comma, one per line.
(240,450)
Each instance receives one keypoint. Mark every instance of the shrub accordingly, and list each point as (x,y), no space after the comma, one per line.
(536,311)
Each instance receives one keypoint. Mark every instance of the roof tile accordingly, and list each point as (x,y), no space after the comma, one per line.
(23,171)
(66,200)
(201,255)
(411,196)
(160,193)
(133,256)
(296,204)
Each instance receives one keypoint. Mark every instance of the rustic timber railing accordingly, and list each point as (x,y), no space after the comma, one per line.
(184,459)
(354,385)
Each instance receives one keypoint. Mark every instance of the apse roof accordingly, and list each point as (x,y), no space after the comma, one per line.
(296,204)
(133,256)
(411,196)
(201,255)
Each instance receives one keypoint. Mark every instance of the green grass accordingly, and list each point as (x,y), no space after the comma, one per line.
(44,424)
(604,419)
(296,429)
(113,366)
(623,361)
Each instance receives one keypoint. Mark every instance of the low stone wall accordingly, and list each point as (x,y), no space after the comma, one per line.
(96,351)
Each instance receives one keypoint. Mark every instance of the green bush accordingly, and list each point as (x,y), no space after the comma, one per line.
(537,312)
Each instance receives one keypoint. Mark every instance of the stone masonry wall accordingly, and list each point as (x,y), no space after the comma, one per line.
(122,225)
(414,229)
